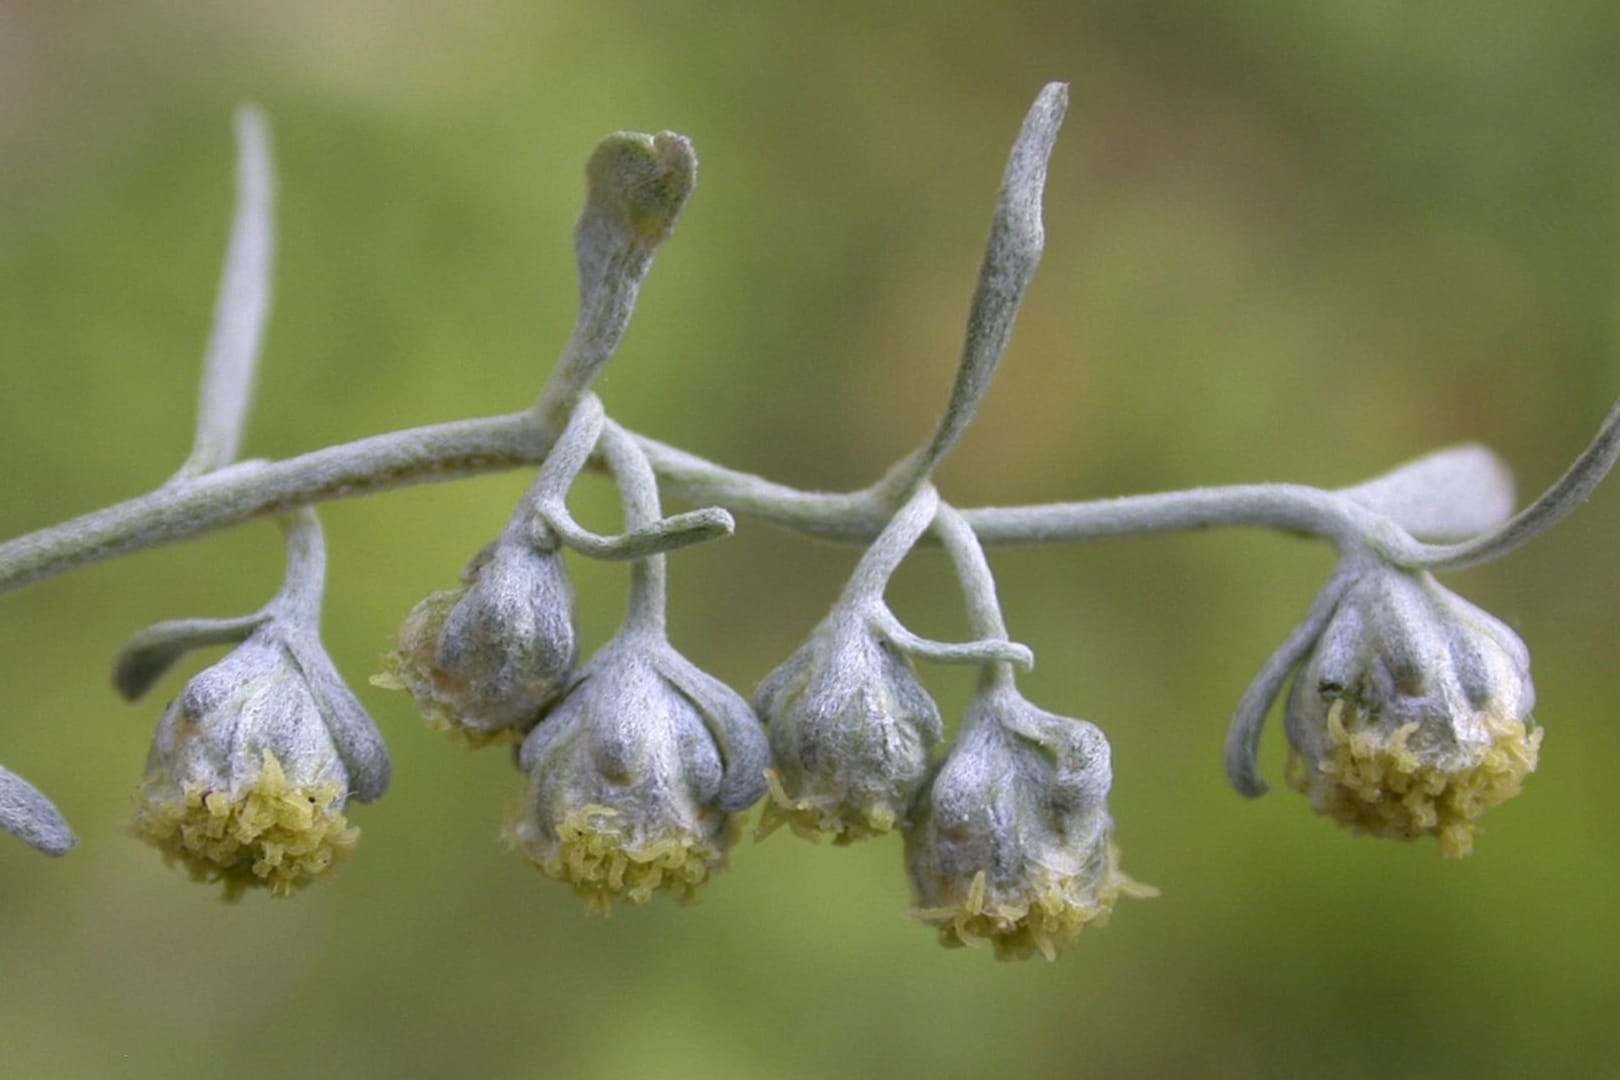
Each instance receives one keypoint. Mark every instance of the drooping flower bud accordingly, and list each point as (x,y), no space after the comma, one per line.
(635,775)
(1412,715)
(245,784)
(1012,840)
(850,729)
(483,659)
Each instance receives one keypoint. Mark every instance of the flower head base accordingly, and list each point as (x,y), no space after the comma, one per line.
(633,777)
(482,660)
(850,729)
(1014,843)
(1412,716)
(244,783)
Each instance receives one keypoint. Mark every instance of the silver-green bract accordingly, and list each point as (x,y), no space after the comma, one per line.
(32,818)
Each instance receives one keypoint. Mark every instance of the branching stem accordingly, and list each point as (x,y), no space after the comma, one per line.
(189,507)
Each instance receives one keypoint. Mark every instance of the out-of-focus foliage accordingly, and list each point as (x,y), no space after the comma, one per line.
(1284,242)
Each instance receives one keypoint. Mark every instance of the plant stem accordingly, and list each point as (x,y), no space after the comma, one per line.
(191,506)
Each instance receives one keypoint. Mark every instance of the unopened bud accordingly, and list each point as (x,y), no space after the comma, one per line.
(1412,716)
(484,659)
(633,777)
(1013,841)
(244,784)
(850,729)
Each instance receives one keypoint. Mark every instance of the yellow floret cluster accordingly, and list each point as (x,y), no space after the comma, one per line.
(811,818)
(595,853)
(1047,916)
(1374,782)
(274,834)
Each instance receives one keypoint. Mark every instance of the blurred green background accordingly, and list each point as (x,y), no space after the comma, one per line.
(1290,242)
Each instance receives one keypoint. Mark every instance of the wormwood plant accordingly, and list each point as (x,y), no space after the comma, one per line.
(1409,713)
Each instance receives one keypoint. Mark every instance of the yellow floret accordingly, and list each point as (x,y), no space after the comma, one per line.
(398,674)
(1047,916)
(829,815)
(595,853)
(1373,782)
(273,834)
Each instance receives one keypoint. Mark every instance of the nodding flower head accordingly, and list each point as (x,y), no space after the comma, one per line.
(1013,841)
(244,783)
(635,775)
(484,659)
(850,730)
(1412,716)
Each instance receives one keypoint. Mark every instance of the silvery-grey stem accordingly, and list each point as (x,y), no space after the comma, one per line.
(242,307)
(1572,489)
(978,583)
(638,491)
(251,489)
(635,188)
(1286,507)
(238,493)
(302,589)
(546,500)
(880,560)
(878,564)
(1010,257)
(983,651)
(1346,518)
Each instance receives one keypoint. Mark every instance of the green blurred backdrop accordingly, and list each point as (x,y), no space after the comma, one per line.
(1291,242)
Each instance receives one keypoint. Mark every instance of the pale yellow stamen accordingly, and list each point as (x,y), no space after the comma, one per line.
(1374,782)
(812,817)
(273,834)
(1047,916)
(433,694)
(594,853)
